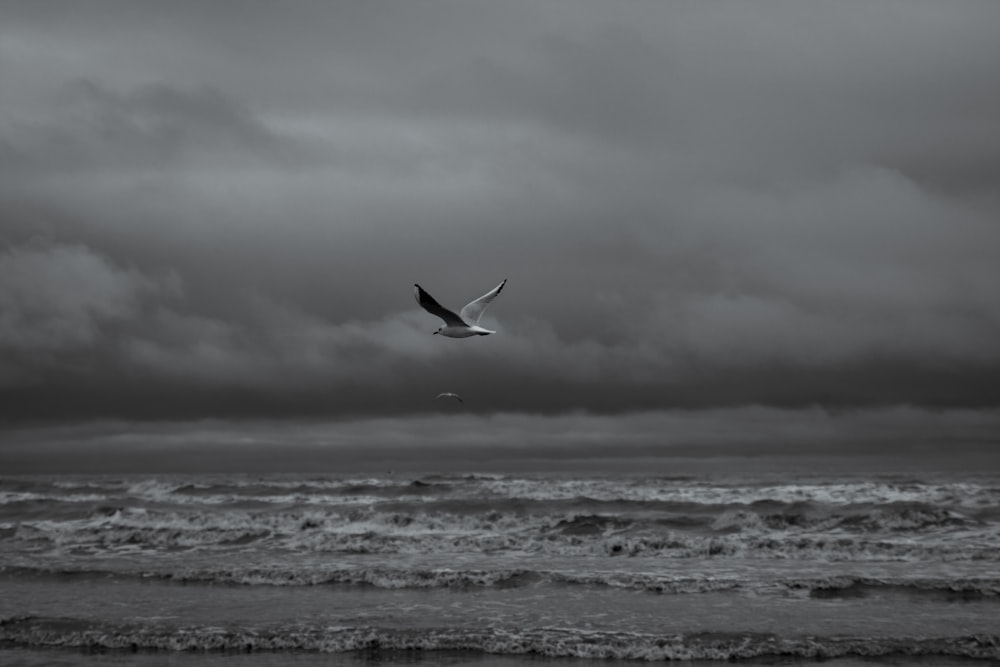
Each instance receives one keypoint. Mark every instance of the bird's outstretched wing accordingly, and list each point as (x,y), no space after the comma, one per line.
(428,303)
(448,394)
(474,310)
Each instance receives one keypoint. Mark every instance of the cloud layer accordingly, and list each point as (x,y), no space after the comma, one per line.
(730,441)
(205,215)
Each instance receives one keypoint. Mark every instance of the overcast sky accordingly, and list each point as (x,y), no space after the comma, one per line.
(218,210)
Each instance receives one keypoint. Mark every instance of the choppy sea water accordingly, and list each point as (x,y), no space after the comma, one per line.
(498,570)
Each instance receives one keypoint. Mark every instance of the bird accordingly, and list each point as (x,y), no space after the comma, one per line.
(448,394)
(466,323)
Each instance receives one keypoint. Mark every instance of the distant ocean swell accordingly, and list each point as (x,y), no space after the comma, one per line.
(37,632)
(271,490)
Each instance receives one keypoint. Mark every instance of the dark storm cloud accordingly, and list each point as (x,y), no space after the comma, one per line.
(215,214)
(896,441)
(57,305)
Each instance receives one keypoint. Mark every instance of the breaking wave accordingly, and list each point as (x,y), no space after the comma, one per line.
(954,588)
(900,531)
(907,521)
(38,632)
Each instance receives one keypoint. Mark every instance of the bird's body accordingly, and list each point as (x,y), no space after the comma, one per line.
(466,323)
(463,331)
(448,394)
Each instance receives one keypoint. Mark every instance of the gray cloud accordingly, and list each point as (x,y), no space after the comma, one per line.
(896,441)
(151,127)
(58,303)
(696,205)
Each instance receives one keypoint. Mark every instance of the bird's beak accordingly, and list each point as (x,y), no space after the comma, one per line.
(437,332)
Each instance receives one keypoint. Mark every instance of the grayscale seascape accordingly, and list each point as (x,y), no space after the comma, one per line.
(494,333)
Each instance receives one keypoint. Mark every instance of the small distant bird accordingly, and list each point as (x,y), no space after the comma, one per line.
(466,323)
(448,394)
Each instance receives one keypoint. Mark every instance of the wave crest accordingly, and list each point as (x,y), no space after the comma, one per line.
(34,632)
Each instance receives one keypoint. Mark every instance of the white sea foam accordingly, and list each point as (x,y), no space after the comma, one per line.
(591,516)
(11,497)
(545,641)
(734,533)
(957,494)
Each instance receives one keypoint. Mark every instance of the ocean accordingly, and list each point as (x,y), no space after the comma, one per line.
(499,569)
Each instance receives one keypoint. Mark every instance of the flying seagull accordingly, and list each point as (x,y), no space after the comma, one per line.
(466,323)
(448,394)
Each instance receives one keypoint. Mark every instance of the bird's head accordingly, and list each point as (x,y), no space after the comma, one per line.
(439,330)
